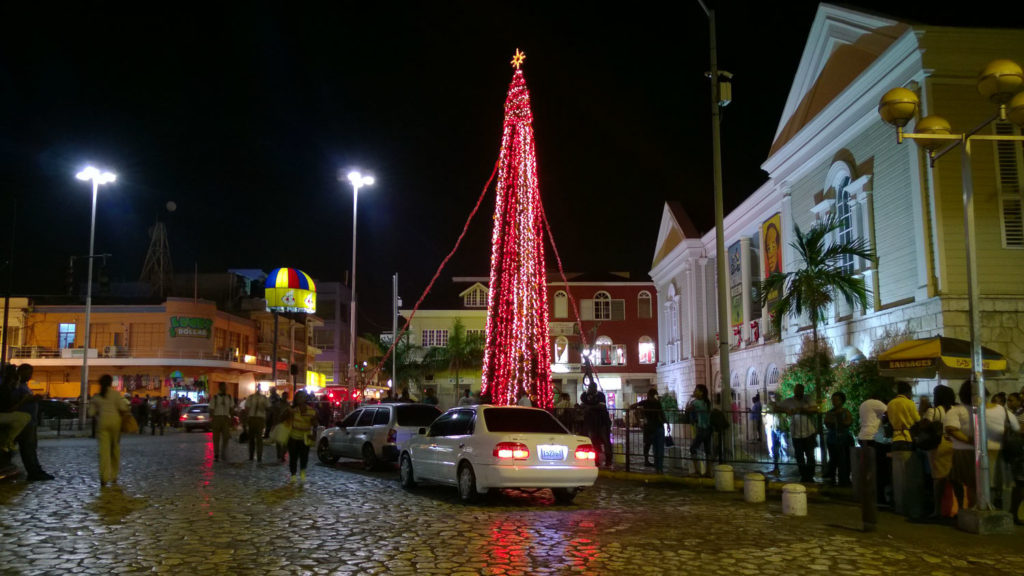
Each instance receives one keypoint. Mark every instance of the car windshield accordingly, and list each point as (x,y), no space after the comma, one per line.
(416,415)
(519,420)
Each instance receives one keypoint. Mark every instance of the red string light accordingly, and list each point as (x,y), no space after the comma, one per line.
(517,356)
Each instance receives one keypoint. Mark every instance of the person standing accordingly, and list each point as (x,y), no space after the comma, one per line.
(256,406)
(108,410)
(12,420)
(756,419)
(524,399)
(28,440)
(802,428)
(699,411)
(597,421)
(563,411)
(279,410)
(466,400)
(837,423)
(872,438)
(959,427)
(654,427)
(941,458)
(902,414)
(221,407)
(430,397)
(300,418)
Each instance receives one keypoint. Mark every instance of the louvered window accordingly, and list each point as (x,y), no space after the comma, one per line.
(1009,173)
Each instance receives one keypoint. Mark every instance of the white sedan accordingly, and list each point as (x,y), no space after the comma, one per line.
(479,448)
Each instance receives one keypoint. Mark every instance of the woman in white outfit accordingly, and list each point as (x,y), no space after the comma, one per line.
(109,409)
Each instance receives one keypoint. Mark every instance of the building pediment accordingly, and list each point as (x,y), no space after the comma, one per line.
(676,227)
(842,44)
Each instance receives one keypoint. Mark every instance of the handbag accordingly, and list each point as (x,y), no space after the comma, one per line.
(280,432)
(669,442)
(128,424)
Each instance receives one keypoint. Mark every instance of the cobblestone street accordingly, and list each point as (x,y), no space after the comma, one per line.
(178,512)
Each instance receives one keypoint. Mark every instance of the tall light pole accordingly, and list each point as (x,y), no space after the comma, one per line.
(717,103)
(357,180)
(999,81)
(98,178)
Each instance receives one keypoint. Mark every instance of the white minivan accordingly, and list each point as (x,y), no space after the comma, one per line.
(374,433)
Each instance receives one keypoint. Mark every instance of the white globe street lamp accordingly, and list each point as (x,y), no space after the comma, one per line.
(98,178)
(358,180)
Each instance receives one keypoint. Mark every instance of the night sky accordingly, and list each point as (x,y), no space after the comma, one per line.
(244,115)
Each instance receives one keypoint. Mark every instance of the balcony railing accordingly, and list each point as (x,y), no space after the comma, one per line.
(123,352)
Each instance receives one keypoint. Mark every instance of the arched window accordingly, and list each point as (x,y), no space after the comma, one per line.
(646,350)
(561,350)
(602,306)
(561,304)
(643,304)
(844,216)
(606,353)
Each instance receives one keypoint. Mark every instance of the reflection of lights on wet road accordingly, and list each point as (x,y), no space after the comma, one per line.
(552,539)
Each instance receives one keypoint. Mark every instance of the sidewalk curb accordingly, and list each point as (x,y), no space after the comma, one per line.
(706,482)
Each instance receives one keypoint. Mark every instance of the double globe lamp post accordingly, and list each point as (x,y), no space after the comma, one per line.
(1001,82)
(98,178)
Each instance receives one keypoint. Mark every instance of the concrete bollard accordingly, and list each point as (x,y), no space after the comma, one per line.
(794,500)
(753,488)
(723,478)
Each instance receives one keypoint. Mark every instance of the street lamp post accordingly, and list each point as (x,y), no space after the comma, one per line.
(719,101)
(999,81)
(98,178)
(357,180)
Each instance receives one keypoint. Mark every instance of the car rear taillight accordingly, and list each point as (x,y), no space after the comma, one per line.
(586,452)
(184,417)
(511,451)
(392,436)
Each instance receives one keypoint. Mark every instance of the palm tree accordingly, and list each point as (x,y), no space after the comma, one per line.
(820,275)
(405,356)
(464,350)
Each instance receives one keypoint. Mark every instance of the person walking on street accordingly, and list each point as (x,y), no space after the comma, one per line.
(256,415)
(221,407)
(108,410)
(300,418)
(802,412)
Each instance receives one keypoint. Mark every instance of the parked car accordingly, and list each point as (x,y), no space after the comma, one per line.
(374,433)
(197,416)
(482,448)
(51,409)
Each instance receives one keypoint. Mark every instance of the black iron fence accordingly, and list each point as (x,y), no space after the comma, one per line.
(738,437)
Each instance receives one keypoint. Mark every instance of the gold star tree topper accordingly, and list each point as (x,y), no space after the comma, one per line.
(517,60)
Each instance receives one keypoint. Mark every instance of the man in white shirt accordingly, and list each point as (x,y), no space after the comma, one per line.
(802,428)
(524,399)
(872,440)
(221,407)
(256,418)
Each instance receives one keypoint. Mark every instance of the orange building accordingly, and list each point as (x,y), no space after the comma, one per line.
(182,346)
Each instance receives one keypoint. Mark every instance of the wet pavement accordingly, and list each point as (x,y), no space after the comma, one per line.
(176,511)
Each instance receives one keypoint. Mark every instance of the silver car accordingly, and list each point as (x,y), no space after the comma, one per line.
(374,433)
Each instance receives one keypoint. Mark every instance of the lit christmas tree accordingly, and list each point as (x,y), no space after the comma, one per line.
(517,355)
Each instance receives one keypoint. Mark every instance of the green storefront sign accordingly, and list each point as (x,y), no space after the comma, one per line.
(186,327)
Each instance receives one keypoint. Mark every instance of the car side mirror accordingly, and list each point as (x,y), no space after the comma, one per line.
(422,432)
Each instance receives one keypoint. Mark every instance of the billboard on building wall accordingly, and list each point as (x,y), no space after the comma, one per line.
(771,235)
(735,284)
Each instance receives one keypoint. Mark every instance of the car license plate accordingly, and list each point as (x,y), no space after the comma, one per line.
(550,452)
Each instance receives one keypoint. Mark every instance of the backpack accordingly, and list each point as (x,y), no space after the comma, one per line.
(927,435)
(718,420)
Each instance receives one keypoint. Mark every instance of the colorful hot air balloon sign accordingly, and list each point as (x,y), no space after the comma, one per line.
(290,290)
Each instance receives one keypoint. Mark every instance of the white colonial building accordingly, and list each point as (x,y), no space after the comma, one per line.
(833,153)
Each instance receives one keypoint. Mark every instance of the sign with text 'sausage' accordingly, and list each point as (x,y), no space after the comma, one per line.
(188,327)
